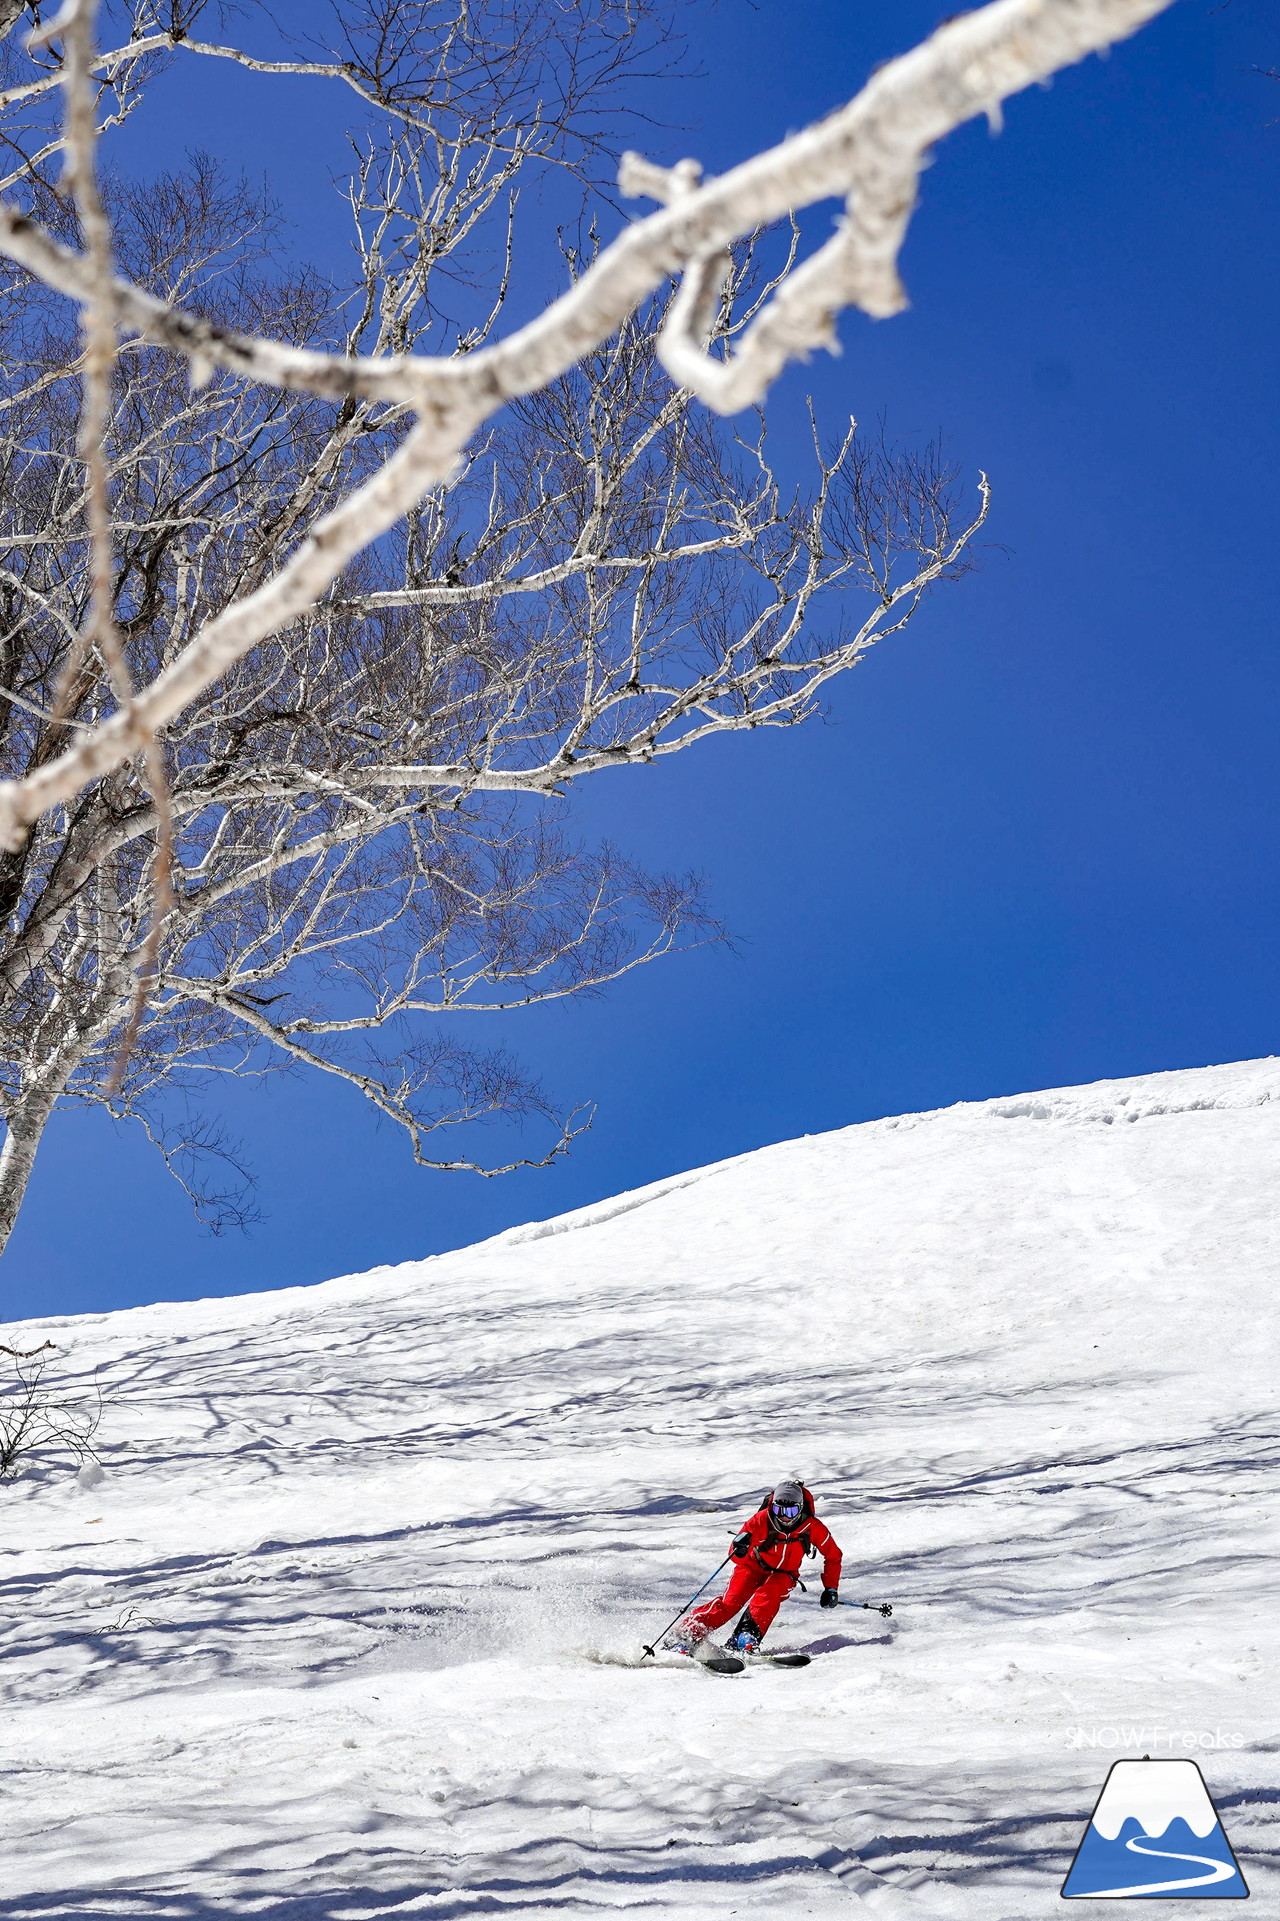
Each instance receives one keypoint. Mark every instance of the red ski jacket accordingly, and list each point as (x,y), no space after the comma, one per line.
(784,1553)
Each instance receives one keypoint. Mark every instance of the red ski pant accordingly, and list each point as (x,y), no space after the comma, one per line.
(765,1590)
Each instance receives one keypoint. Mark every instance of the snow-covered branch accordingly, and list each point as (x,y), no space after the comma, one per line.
(868,153)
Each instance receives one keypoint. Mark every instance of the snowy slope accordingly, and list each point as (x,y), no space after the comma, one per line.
(351,1628)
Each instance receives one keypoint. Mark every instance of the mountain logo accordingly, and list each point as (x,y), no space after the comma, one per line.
(1154,1833)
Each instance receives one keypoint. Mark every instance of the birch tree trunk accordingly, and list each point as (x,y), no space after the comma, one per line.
(25,1122)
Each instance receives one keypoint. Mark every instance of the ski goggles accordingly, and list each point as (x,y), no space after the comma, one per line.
(786,1510)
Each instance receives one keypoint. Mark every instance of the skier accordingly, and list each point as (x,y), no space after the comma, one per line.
(768,1553)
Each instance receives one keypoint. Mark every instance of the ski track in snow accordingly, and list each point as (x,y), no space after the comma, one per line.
(352,1627)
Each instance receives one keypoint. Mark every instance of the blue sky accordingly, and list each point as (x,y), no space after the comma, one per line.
(1035,842)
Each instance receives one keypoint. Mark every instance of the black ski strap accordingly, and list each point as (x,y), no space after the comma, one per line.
(774,1536)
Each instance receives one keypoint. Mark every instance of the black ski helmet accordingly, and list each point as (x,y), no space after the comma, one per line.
(786,1505)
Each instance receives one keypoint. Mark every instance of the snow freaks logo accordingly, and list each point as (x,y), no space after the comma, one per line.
(1188,1739)
(1164,1803)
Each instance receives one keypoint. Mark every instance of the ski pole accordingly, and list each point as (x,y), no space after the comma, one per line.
(688,1604)
(876,1607)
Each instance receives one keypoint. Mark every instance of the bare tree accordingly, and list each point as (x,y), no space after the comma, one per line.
(611,578)
(36,1420)
(320,671)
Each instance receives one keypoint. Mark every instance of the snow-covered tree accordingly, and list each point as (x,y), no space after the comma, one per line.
(314,599)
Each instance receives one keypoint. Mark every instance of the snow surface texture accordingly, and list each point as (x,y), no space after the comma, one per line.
(351,1627)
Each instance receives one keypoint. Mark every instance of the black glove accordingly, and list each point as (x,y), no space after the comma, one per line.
(830,1598)
(741,1542)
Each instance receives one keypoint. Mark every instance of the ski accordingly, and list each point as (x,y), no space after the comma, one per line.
(715,1659)
(779,1660)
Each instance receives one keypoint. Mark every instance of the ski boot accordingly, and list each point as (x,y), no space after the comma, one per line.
(745,1638)
(685,1638)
